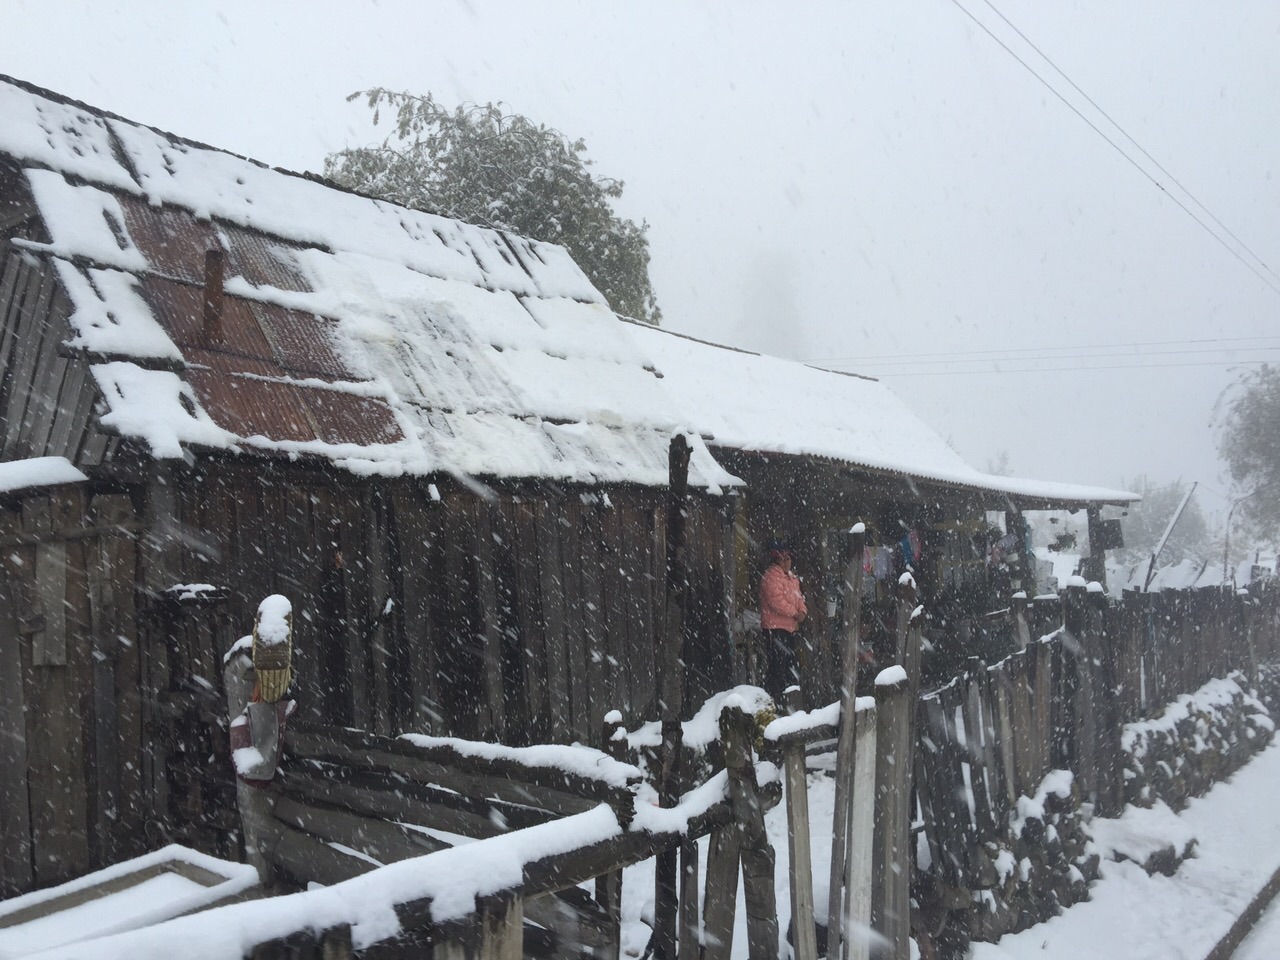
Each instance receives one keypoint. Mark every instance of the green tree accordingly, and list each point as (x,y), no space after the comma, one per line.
(483,164)
(1250,445)
(1146,520)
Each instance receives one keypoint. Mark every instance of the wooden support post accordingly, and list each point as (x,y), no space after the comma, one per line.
(721,897)
(502,928)
(335,944)
(860,866)
(671,695)
(690,924)
(851,627)
(896,692)
(737,732)
(800,855)
(1021,621)
(609,885)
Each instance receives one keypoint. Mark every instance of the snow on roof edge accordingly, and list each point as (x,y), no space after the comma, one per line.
(20,475)
(956,473)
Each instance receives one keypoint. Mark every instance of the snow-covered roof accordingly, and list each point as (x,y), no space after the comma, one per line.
(16,475)
(386,339)
(748,401)
(394,341)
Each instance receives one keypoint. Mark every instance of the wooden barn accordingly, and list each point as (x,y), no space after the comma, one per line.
(220,381)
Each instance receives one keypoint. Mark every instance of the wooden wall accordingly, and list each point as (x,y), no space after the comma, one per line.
(524,617)
(71,706)
(47,396)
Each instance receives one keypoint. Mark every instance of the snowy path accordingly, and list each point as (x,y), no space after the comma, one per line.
(1137,917)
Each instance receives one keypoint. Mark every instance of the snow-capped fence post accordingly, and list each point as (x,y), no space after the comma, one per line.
(800,856)
(670,694)
(737,736)
(860,864)
(851,627)
(609,885)
(897,689)
(1021,622)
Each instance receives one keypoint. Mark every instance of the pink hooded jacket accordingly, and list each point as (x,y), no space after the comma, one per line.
(781,602)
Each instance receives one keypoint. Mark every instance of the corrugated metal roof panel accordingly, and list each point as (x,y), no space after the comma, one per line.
(346,418)
(172,241)
(261,260)
(302,342)
(180,310)
(249,407)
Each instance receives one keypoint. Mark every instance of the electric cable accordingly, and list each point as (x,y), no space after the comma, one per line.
(1128,136)
(1115,146)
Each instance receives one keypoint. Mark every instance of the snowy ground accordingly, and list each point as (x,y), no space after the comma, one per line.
(1264,942)
(1182,917)
(637,884)
(1130,916)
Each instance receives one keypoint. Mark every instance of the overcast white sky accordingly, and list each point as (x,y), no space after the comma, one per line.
(822,180)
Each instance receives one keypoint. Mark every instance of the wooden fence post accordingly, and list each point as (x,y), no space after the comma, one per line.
(737,733)
(721,894)
(671,696)
(800,855)
(897,689)
(860,867)
(609,885)
(851,608)
(1021,622)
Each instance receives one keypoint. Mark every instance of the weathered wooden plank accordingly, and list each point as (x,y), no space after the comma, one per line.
(15,815)
(721,898)
(531,634)
(860,872)
(75,402)
(55,771)
(48,645)
(32,331)
(12,280)
(118,643)
(551,789)
(799,854)
(851,597)
(689,948)
(599,701)
(576,641)
(549,567)
(891,908)
(493,712)
(51,369)
(616,599)
(350,522)
(385,795)
(418,525)
(381,839)
(976,749)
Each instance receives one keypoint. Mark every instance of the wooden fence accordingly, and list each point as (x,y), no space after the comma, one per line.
(993,732)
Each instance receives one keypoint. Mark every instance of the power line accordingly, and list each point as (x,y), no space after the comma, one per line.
(1074,369)
(1065,346)
(1115,146)
(1115,123)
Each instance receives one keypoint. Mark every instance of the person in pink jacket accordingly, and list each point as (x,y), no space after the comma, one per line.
(782,610)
